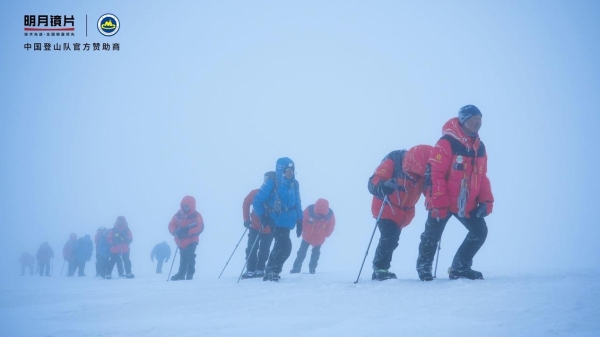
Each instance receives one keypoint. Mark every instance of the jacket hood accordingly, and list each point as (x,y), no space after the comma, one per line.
(73,237)
(121,223)
(190,201)
(281,165)
(415,159)
(453,129)
(322,207)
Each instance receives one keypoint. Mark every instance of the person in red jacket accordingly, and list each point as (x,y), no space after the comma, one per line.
(398,181)
(69,254)
(119,238)
(186,226)
(317,225)
(459,186)
(257,258)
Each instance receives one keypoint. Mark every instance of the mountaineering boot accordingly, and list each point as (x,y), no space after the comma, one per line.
(248,274)
(271,276)
(177,277)
(130,275)
(425,276)
(383,274)
(294,271)
(464,273)
(259,273)
(311,270)
(189,276)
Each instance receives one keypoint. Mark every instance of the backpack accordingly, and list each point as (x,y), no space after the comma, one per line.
(397,157)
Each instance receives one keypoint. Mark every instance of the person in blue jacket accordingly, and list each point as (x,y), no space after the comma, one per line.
(282,198)
(103,253)
(83,253)
(162,253)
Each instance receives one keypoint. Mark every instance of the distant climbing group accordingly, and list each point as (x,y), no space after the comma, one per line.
(452,175)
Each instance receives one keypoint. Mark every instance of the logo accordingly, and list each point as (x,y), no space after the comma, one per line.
(108,25)
(49,25)
(459,159)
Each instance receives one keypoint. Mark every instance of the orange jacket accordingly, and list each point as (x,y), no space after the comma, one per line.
(401,206)
(251,216)
(458,162)
(119,237)
(186,227)
(318,223)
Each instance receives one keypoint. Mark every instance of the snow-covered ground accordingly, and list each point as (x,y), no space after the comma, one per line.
(547,303)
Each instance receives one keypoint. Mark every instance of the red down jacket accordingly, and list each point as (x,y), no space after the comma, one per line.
(191,223)
(119,237)
(458,161)
(318,223)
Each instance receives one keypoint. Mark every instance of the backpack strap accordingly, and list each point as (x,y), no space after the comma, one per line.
(458,149)
(311,212)
(277,207)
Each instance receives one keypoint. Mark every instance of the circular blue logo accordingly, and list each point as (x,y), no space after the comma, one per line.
(108,24)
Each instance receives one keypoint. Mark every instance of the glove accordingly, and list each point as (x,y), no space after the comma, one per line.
(183,232)
(439,213)
(480,211)
(247,223)
(387,187)
(299,228)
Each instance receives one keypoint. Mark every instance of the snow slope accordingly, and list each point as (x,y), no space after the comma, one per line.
(549,303)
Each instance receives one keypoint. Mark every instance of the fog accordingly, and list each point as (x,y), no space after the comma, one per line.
(203,97)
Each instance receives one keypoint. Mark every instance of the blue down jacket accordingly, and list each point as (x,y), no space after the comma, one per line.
(286,191)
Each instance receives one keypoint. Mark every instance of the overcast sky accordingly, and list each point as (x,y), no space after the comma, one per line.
(203,97)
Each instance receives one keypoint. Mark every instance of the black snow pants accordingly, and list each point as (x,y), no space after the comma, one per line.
(257,258)
(314,256)
(388,242)
(187,261)
(463,259)
(281,249)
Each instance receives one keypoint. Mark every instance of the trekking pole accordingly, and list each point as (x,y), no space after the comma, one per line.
(437,257)
(121,255)
(245,230)
(61,269)
(172,262)
(250,252)
(372,235)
